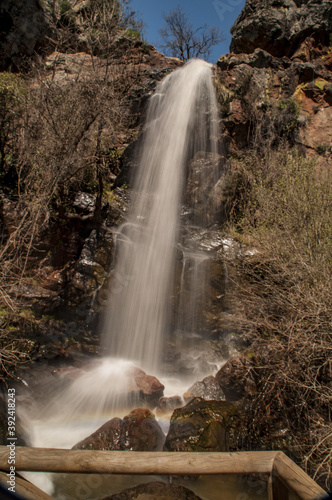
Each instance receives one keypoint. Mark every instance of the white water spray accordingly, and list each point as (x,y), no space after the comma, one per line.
(182,119)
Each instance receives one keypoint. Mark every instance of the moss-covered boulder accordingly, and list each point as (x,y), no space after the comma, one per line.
(202,426)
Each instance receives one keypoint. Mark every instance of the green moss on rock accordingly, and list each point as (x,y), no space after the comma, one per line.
(202,426)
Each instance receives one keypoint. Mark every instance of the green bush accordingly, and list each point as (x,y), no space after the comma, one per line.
(67,15)
(133,34)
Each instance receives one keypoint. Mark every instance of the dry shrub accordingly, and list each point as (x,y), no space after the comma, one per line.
(286,295)
(58,143)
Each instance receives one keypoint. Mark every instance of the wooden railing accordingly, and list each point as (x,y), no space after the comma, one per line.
(284,475)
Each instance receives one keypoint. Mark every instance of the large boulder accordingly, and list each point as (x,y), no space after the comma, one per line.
(138,431)
(107,437)
(155,491)
(280,26)
(202,426)
(236,380)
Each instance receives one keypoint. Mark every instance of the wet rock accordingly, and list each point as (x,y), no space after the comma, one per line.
(202,426)
(155,491)
(167,405)
(138,431)
(235,379)
(91,267)
(84,203)
(141,432)
(208,389)
(145,388)
(88,284)
(204,170)
(107,437)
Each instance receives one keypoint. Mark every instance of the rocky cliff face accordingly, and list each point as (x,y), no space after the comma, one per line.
(280,26)
(276,84)
(23,31)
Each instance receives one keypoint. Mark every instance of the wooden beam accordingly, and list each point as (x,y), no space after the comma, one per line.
(286,475)
(130,462)
(294,479)
(24,488)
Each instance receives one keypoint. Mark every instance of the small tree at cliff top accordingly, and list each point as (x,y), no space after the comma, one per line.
(182,40)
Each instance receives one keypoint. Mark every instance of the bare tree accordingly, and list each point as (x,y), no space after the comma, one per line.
(184,41)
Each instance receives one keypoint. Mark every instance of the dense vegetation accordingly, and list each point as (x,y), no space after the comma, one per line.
(282,207)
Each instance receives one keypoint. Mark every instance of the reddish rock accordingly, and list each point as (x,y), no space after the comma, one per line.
(141,432)
(107,437)
(138,431)
(280,26)
(257,90)
(145,388)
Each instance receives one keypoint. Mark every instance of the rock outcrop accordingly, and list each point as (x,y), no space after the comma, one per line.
(266,99)
(280,26)
(23,30)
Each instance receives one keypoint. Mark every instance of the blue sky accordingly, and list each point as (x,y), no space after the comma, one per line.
(219,13)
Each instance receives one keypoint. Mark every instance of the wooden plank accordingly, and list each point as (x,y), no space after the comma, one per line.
(125,462)
(24,488)
(295,479)
(279,490)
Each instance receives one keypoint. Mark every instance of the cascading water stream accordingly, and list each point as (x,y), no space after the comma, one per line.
(182,119)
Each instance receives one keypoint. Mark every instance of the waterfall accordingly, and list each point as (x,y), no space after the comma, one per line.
(160,263)
(181,120)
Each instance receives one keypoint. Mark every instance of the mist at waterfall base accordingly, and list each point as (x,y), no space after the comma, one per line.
(160,271)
